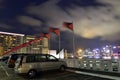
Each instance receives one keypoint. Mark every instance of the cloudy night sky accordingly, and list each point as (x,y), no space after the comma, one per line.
(96,22)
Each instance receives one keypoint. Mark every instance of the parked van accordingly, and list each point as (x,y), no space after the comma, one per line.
(33,63)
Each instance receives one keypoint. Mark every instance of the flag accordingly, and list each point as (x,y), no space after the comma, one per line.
(55,30)
(61,54)
(40,38)
(41,35)
(68,25)
(45,35)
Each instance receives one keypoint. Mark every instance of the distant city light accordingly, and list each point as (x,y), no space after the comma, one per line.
(107,46)
(79,50)
(107,51)
(118,46)
(114,47)
(115,57)
(104,48)
(97,56)
(97,49)
(105,57)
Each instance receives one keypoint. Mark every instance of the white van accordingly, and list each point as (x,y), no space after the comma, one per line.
(33,63)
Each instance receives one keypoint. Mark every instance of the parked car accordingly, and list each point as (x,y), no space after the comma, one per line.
(4,58)
(11,60)
(31,64)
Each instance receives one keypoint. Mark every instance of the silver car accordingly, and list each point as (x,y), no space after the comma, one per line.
(33,63)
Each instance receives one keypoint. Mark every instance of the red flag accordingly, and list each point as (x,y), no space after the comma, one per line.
(45,35)
(40,38)
(41,34)
(68,25)
(118,46)
(55,30)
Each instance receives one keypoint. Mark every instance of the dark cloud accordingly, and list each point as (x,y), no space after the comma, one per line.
(5,26)
(117,17)
(95,21)
(29,21)
(81,3)
(78,14)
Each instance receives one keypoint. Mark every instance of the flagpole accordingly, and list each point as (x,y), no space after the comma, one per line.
(59,46)
(73,42)
(49,46)
(70,26)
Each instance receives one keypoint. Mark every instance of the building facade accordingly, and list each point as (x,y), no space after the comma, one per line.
(9,40)
(37,47)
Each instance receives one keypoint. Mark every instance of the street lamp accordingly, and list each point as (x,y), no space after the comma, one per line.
(79,50)
(80,53)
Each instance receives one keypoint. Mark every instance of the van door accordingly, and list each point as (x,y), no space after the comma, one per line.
(41,62)
(53,62)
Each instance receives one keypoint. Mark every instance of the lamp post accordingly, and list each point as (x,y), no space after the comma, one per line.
(79,53)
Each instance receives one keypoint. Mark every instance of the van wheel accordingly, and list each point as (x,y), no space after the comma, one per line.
(62,68)
(32,73)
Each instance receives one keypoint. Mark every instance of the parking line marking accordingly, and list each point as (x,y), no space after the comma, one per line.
(5,71)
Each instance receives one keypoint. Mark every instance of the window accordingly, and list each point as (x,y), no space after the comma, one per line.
(51,58)
(40,58)
(30,58)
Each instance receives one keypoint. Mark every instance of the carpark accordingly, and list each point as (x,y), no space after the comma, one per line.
(73,73)
(8,74)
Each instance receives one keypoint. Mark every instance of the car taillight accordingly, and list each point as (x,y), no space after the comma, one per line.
(11,61)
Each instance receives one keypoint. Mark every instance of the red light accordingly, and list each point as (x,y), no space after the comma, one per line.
(115,54)
(12,61)
(118,46)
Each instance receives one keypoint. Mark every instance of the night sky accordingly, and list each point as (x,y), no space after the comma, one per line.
(96,22)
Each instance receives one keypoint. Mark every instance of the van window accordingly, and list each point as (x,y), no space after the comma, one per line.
(40,58)
(14,57)
(51,58)
(30,58)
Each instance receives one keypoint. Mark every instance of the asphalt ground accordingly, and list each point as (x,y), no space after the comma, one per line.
(56,75)
(8,74)
(98,72)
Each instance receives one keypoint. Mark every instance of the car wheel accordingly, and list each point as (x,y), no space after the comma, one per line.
(62,68)
(32,73)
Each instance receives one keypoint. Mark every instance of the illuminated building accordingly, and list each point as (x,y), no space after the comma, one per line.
(9,40)
(40,46)
(45,45)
